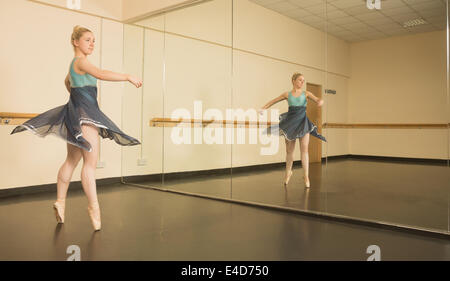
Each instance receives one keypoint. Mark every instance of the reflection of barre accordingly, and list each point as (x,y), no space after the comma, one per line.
(169,122)
(385,126)
(12,118)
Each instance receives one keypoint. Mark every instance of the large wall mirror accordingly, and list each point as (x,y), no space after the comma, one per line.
(388,113)
(376,87)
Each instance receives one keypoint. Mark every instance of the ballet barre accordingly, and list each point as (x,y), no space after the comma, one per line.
(384,126)
(13,118)
(169,122)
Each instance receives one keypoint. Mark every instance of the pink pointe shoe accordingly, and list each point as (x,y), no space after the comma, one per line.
(59,207)
(288,177)
(94,214)
(307,183)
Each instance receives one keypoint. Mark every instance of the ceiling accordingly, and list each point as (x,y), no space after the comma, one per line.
(352,21)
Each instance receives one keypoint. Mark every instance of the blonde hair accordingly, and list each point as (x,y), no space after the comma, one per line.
(295,76)
(78,31)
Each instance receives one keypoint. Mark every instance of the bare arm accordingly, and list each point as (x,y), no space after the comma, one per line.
(281,97)
(85,66)
(314,98)
(67,83)
(106,75)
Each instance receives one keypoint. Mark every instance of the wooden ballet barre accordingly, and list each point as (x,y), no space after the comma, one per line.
(169,122)
(14,118)
(384,126)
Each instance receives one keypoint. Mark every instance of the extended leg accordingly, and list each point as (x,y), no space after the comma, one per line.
(65,172)
(290,146)
(304,143)
(90,133)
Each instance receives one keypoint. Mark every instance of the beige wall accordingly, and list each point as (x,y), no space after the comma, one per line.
(269,48)
(198,60)
(201,65)
(399,80)
(35,59)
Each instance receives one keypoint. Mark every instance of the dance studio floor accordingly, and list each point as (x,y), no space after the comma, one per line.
(395,192)
(144,224)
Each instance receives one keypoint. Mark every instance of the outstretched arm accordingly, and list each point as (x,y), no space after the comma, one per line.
(314,98)
(281,97)
(85,66)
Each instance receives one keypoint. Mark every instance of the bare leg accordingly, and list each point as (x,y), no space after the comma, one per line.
(304,142)
(63,180)
(290,146)
(90,133)
(66,171)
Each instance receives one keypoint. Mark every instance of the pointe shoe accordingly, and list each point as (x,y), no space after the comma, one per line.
(94,214)
(286,181)
(307,183)
(59,207)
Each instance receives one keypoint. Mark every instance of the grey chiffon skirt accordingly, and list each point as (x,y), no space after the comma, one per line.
(65,121)
(294,124)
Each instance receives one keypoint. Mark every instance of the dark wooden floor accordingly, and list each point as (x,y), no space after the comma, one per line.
(402,193)
(141,224)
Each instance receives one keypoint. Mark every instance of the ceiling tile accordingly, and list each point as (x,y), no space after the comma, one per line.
(282,6)
(414,2)
(337,14)
(397,11)
(430,5)
(346,20)
(313,18)
(406,17)
(358,10)
(297,13)
(390,4)
(371,16)
(342,4)
(434,19)
(377,22)
(386,27)
(433,13)
(306,3)
(335,29)
(422,28)
(321,10)
(352,21)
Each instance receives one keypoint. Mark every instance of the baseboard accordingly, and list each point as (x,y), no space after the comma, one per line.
(157,178)
(47,188)
(405,160)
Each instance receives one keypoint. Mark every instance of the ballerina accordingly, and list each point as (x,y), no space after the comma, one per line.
(294,124)
(79,123)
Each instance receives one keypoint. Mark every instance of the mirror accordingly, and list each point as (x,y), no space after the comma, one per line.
(198,59)
(187,77)
(263,68)
(144,56)
(392,131)
(380,71)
